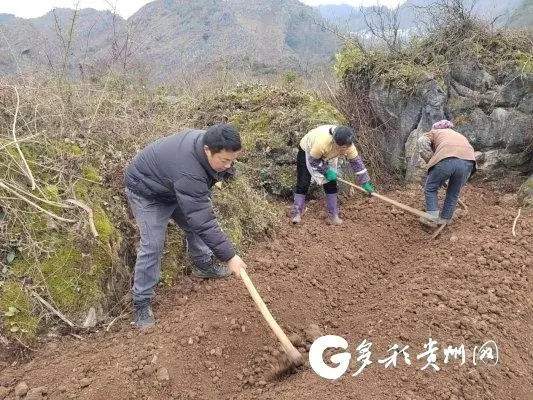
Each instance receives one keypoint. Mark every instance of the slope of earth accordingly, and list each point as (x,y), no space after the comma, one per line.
(377,278)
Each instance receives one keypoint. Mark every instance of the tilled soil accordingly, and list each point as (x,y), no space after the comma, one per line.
(378,279)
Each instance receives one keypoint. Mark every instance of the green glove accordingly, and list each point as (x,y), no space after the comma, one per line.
(331,174)
(368,187)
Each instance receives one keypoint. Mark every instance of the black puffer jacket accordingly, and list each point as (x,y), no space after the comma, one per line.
(174,169)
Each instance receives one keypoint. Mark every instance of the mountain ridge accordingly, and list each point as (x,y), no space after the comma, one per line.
(352,18)
(175,36)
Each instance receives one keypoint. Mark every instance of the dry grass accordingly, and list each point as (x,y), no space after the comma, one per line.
(361,116)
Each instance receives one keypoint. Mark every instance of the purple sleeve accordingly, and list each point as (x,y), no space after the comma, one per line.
(360,170)
(318,164)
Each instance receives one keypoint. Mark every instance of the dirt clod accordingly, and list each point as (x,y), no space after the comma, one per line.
(21,389)
(84,382)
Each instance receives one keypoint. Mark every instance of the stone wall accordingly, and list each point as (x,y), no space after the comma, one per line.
(494,112)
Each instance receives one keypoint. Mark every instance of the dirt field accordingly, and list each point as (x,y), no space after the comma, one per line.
(377,278)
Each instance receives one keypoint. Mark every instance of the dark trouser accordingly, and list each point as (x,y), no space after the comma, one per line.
(456,171)
(152,219)
(303,177)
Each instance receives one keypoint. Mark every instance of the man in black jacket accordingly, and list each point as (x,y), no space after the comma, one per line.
(172,178)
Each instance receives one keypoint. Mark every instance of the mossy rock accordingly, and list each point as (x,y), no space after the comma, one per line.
(257,128)
(525,193)
(19,319)
(73,270)
(350,58)
(103,225)
(524,62)
(463,119)
(91,173)
(243,212)
(498,53)
(174,263)
(319,112)
(279,180)
(271,121)
(70,278)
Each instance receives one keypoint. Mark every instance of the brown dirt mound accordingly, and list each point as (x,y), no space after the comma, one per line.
(378,277)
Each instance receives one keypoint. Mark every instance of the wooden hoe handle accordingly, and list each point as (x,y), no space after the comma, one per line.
(390,201)
(291,351)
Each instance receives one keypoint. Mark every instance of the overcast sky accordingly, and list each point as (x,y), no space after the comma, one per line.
(36,8)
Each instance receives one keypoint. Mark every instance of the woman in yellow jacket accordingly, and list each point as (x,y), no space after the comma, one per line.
(317,160)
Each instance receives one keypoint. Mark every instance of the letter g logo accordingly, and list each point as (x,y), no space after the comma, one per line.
(317,361)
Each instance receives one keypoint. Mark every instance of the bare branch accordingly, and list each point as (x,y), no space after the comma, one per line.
(515,221)
(89,212)
(27,171)
(20,140)
(332,29)
(31,203)
(51,203)
(384,24)
(70,38)
(49,306)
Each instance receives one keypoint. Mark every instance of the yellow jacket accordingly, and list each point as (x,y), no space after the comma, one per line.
(318,142)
